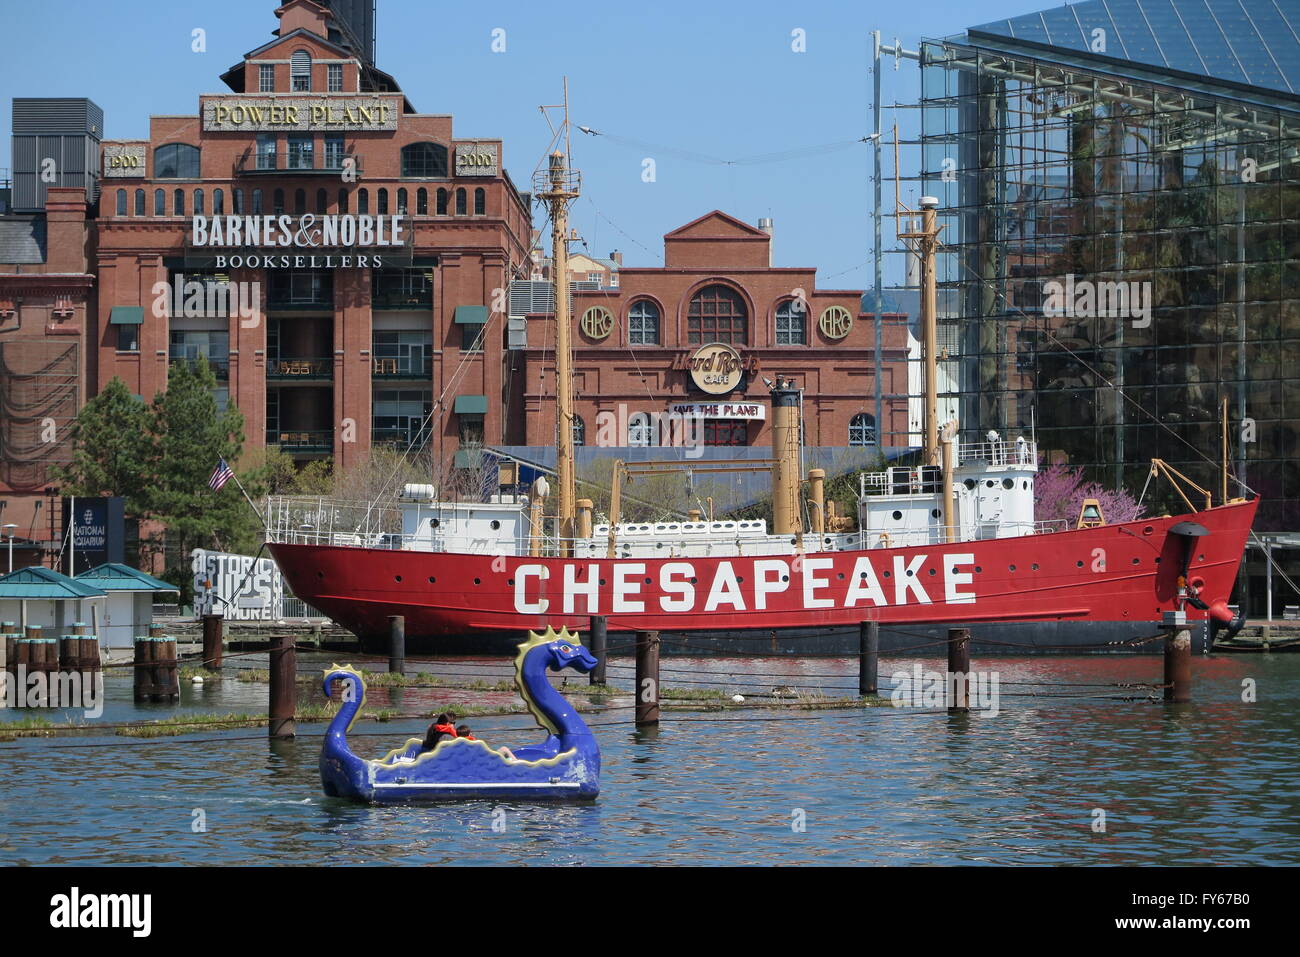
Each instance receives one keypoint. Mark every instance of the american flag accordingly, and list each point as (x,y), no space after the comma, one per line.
(220,476)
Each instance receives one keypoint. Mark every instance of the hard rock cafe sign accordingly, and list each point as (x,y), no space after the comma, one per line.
(716,368)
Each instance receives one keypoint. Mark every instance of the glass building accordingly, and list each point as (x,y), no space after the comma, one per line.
(1119,182)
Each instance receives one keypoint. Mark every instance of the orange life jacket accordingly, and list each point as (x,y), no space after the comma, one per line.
(445,729)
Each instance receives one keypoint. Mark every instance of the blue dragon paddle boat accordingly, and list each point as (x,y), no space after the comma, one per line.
(565,766)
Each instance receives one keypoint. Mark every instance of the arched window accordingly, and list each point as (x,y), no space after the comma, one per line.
(300,71)
(139,202)
(160,202)
(480,202)
(640,431)
(176,161)
(343,200)
(257,202)
(717,314)
(460,202)
(363,201)
(121,202)
(277,202)
(424,159)
(790,316)
(422,202)
(218,202)
(198,202)
(178,202)
(401,202)
(381,202)
(237,201)
(322,201)
(579,431)
(862,429)
(299,202)
(643,324)
(442,202)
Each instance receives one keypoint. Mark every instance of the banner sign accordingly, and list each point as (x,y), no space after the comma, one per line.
(236,586)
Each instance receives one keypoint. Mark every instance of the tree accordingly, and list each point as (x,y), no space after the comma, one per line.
(1059,493)
(112,449)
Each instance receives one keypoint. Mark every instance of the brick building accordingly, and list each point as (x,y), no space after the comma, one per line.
(650,345)
(380,243)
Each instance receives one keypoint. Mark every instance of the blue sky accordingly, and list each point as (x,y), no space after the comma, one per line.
(713,79)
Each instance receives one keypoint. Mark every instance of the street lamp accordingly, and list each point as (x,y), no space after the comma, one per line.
(10,527)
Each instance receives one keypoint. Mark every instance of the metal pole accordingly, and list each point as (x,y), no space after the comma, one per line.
(1268,577)
(647,677)
(879,277)
(958,670)
(599,626)
(868,657)
(396,644)
(1178,664)
(283,671)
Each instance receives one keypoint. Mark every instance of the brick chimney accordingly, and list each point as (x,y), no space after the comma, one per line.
(617,257)
(65,225)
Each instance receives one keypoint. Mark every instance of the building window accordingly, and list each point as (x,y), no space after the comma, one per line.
(461,207)
(266,78)
(214,346)
(300,71)
(176,161)
(128,338)
(401,202)
(424,160)
(300,287)
(343,200)
(403,417)
(640,431)
(412,286)
(726,432)
(277,202)
(643,324)
(218,202)
(480,202)
(472,336)
(381,202)
(471,429)
(198,202)
(335,79)
(299,202)
(139,202)
(403,354)
(422,202)
(178,202)
(862,429)
(717,314)
(121,202)
(266,151)
(790,323)
(160,202)
(300,152)
(363,201)
(333,152)
(442,202)
(579,431)
(257,202)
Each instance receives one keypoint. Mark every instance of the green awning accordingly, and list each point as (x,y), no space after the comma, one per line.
(471,315)
(471,405)
(126,316)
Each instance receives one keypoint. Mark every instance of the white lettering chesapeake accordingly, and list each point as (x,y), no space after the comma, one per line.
(685,591)
(952,578)
(522,604)
(623,587)
(907,579)
(864,584)
(811,582)
(590,589)
(74,910)
(765,585)
(725,590)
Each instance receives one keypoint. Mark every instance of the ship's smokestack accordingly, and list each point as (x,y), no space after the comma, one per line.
(785,451)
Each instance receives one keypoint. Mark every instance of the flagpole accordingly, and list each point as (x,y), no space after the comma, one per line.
(248,500)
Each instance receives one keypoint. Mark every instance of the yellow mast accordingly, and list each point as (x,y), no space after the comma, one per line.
(927,243)
(558,185)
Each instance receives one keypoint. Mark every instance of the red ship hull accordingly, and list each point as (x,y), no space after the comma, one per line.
(1074,587)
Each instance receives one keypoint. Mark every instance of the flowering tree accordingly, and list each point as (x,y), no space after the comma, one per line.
(1059,492)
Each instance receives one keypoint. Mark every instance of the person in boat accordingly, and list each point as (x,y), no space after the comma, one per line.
(464,732)
(443,727)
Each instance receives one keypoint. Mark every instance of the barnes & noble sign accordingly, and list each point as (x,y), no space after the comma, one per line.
(308,241)
(270,114)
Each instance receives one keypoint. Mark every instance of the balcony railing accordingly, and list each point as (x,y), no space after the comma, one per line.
(401,367)
(289,164)
(300,369)
(401,299)
(297,441)
(220,367)
(401,438)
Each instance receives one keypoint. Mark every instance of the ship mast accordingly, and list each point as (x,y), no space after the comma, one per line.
(558,186)
(927,243)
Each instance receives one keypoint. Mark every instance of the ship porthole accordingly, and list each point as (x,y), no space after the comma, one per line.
(931,571)
(397,578)
(510,581)
(1078,564)
(434,522)
(785,578)
(1147,530)
(978,569)
(1137,561)
(841,576)
(969,483)
(647,581)
(886,574)
(432,579)
(1008,484)
(897,515)
(320,574)
(1034,566)
(476,581)
(934,513)
(495,524)
(1011,568)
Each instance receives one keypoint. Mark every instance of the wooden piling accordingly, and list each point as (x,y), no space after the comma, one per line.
(647,678)
(143,667)
(599,635)
(165,674)
(9,631)
(212,642)
(868,657)
(69,653)
(284,668)
(43,649)
(1178,664)
(958,684)
(396,644)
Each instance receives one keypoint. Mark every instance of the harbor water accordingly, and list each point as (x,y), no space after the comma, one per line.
(1066,772)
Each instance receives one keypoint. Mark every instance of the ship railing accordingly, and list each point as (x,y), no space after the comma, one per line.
(1001,452)
(939,534)
(316,520)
